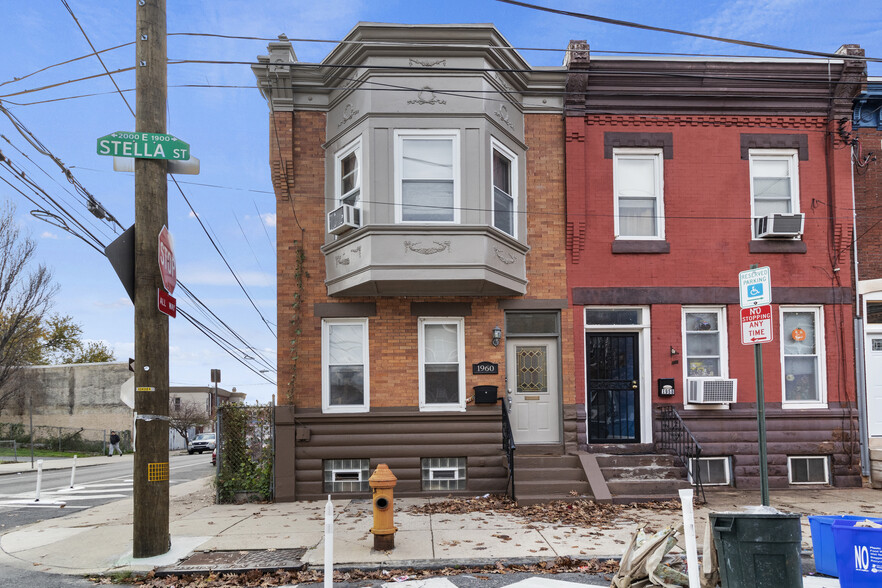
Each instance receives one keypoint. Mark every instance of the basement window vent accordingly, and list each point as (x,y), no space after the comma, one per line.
(714,471)
(808,469)
(346,475)
(443,473)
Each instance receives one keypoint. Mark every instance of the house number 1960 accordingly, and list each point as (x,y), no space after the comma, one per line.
(485,367)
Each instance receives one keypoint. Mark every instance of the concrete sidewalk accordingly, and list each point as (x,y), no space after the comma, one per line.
(99,540)
(60,463)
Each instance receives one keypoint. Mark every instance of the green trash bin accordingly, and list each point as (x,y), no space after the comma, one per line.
(758,549)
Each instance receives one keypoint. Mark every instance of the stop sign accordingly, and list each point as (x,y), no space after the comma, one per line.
(167,260)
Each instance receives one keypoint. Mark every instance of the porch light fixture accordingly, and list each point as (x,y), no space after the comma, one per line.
(673,351)
(497,335)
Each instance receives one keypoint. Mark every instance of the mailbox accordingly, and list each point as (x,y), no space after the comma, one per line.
(666,387)
(486,394)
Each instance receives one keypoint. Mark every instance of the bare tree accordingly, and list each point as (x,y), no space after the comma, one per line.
(25,298)
(186,414)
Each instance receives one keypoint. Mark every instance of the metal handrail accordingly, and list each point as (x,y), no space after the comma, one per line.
(508,446)
(676,439)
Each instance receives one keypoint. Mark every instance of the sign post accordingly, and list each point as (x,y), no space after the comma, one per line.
(755,292)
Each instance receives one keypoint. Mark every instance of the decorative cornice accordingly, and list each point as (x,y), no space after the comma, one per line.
(774,122)
(504,256)
(502,114)
(348,114)
(439,246)
(426,96)
(427,63)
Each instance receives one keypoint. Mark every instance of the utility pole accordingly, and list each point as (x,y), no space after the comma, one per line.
(150,534)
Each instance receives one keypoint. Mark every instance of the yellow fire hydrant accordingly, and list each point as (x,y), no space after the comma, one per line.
(382,481)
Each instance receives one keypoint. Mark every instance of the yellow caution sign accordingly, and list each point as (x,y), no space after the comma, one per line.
(157,472)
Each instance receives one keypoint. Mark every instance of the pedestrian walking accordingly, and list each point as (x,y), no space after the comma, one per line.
(114,443)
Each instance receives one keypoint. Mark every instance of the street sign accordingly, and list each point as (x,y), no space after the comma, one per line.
(167,304)
(143,145)
(756,325)
(167,268)
(755,287)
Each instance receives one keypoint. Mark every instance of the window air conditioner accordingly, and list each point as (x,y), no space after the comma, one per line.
(779,225)
(343,219)
(710,390)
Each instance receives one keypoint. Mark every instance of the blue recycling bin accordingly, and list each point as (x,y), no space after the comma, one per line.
(823,548)
(858,554)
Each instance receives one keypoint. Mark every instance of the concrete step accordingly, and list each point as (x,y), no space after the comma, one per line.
(621,448)
(646,487)
(634,460)
(541,474)
(547,461)
(644,473)
(528,499)
(641,498)
(551,490)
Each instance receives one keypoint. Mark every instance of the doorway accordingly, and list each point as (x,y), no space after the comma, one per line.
(613,387)
(533,389)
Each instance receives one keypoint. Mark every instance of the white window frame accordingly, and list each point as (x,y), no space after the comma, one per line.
(657,156)
(513,183)
(400,136)
(327,407)
(820,355)
(339,196)
(792,156)
(826,459)
(728,469)
(460,336)
(724,354)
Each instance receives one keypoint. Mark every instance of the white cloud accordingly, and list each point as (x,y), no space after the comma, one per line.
(48,235)
(269,219)
(121,302)
(192,214)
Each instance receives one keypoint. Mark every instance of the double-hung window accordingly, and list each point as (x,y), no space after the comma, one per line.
(774,183)
(504,188)
(639,193)
(345,377)
(802,357)
(427,176)
(704,330)
(442,364)
(347,170)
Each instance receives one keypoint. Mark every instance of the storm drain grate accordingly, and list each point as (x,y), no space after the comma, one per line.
(238,561)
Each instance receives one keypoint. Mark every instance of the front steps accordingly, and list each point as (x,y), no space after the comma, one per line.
(543,478)
(642,477)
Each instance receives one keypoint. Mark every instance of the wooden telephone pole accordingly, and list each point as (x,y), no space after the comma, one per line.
(150,534)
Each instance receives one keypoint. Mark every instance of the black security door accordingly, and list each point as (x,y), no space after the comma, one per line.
(613,388)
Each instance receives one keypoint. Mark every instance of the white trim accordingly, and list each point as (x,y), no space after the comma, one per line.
(790,155)
(514,172)
(867,287)
(326,385)
(402,134)
(460,343)
(352,147)
(723,334)
(644,352)
(820,357)
(656,156)
(826,460)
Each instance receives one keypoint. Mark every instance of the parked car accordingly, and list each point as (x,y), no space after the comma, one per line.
(202,442)
(214,456)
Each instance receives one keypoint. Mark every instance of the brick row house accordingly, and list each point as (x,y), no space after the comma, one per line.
(461,234)
(681,173)
(867,147)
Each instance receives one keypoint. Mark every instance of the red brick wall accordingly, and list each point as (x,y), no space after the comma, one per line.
(868,198)
(394,364)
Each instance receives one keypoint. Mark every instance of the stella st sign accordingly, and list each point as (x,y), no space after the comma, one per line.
(144,146)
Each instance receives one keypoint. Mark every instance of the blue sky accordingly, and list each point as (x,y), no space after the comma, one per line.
(227,129)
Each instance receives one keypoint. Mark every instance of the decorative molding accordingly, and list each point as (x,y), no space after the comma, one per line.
(356,250)
(427,63)
(341,260)
(771,122)
(663,141)
(426,96)
(774,141)
(439,247)
(504,256)
(575,239)
(502,83)
(502,114)
(348,114)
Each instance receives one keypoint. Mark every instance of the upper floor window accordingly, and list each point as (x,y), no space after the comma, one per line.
(345,369)
(774,183)
(504,188)
(347,170)
(802,356)
(639,193)
(427,176)
(442,365)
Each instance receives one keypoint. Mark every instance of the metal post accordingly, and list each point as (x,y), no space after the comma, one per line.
(31,419)
(329,544)
(39,479)
(150,528)
(761,422)
(73,472)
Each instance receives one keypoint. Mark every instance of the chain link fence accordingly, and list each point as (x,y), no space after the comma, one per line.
(15,441)
(246,445)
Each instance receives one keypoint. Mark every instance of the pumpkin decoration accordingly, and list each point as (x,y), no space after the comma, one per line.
(798,334)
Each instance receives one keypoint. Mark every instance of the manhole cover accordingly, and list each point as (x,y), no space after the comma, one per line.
(238,561)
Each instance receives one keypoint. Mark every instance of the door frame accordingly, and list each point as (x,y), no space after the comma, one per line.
(870,332)
(644,354)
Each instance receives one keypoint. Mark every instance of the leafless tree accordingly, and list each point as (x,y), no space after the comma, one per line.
(186,414)
(25,298)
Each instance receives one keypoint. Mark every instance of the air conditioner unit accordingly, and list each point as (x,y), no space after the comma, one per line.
(710,390)
(344,218)
(779,225)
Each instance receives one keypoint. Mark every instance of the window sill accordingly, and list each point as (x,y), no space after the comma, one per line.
(344,409)
(637,246)
(442,408)
(803,405)
(706,406)
(777,246)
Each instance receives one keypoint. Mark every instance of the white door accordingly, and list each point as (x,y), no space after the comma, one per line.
(873,364)
(533,390)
